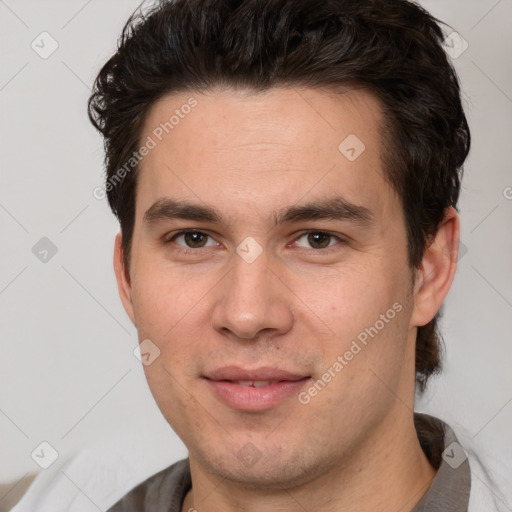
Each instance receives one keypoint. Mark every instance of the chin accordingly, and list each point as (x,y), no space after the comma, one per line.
(270,469)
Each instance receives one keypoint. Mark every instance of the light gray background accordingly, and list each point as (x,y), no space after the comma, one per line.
(67,369)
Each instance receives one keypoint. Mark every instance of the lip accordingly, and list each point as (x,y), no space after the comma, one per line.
(283,384)
(262,373)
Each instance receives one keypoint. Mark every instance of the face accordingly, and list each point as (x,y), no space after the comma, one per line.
(292,271)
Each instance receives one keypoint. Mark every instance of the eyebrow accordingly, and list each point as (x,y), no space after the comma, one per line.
(337,208)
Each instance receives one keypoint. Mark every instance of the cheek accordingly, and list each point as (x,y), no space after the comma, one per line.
(363,313)
(164,299)
(347,298)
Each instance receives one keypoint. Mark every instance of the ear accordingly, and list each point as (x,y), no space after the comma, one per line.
(437,270)
(122,277)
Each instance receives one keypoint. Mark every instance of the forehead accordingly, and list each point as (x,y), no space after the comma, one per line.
(266,148)
(225,119)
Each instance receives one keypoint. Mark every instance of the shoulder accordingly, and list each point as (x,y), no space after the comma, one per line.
(469,477)
(163,491)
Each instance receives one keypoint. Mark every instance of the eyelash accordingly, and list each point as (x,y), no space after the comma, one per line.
(189,250)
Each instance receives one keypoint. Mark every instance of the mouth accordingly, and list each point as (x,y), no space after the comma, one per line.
(255,383)
(262,374)
(254,390)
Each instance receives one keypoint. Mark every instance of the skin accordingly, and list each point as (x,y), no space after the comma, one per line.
(298,306)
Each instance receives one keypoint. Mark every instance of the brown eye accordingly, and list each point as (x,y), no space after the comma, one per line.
(192,239)
(195,239)
(317,240)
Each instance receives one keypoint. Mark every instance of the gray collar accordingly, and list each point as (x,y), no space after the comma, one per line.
(451,486)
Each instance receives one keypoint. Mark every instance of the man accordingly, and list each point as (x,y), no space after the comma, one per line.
(285,174)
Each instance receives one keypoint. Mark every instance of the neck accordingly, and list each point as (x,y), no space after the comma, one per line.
(390,472)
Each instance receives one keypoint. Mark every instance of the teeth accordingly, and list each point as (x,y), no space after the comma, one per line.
(261,383)
(255,383)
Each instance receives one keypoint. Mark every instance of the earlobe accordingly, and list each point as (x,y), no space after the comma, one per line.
(123,282)
(437,270)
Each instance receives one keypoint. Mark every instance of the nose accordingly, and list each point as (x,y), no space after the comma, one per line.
(252,300)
